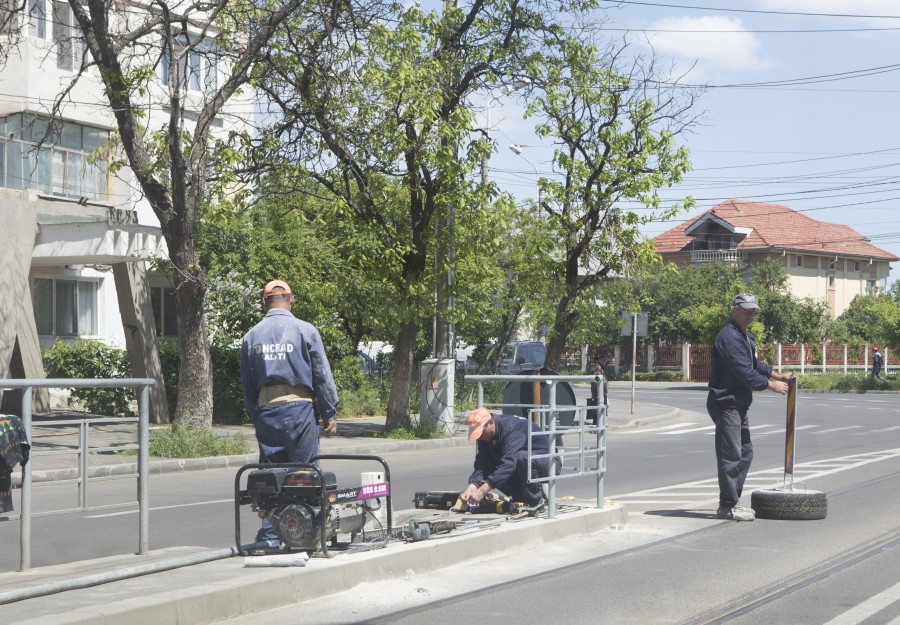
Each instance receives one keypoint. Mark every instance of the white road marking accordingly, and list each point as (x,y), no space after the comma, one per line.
(706,492)
(659,429)
(846,427)
(705,427)
(867,608)
(181,505)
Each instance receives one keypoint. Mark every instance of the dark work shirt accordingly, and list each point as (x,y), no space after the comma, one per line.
(495,461)
(735,371)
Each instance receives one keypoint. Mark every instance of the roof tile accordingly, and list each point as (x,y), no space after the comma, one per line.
(776,227)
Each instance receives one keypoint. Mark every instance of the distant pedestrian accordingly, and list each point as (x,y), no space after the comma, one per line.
(877,364)
(287,388)
(735,373)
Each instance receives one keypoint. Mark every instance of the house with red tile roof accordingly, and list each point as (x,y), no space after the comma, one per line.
(825,261)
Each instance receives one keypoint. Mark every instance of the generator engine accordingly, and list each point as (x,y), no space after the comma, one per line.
(292,500)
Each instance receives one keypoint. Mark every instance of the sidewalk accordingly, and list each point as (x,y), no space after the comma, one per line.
(159,588)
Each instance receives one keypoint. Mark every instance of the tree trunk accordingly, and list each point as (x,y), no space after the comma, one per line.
(195,398)
(404,361)
(562,327)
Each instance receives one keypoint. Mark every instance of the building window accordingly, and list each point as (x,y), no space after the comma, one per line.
(799,260)
(163,301)
(65,307)
(830,282)
(832,264)
(870,287)
(856,265)
(196,70)
(67,169)
(37,12)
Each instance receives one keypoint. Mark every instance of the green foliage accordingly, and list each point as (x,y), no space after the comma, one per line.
(643,376)
(873,319)
(185,441)
(359,395)
(228,394)
(84,359)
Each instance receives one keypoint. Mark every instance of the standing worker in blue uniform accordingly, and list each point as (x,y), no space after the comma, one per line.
(734,374)
(501,459)
(287,388)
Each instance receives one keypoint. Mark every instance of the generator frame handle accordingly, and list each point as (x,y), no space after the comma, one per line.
(323,498)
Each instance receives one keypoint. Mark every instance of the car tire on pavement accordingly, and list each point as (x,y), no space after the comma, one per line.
(785,505)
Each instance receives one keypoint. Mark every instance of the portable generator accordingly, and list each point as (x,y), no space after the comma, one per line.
(305,506)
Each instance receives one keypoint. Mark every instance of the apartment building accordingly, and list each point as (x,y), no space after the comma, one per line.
(77,237)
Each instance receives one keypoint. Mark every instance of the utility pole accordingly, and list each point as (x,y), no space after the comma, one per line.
(436,376)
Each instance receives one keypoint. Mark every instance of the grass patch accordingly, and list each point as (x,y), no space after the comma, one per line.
(419,431)
(188,441)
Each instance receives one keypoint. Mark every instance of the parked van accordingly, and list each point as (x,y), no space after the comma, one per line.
(522,357)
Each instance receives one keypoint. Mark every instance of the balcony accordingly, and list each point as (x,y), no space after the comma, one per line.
(728,257)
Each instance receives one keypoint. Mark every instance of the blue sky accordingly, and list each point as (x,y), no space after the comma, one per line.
(826,142)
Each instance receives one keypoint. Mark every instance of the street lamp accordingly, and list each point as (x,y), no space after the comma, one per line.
(517,150)
(504,91)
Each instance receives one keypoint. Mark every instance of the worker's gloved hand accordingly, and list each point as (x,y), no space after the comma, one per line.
(474,494)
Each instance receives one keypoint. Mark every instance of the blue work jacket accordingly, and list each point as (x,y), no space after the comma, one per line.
(735,371)
(282,349)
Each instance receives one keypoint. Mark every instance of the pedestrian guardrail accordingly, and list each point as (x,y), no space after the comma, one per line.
(586,423)
(142,447)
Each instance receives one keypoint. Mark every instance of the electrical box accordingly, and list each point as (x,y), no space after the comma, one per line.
(436,392)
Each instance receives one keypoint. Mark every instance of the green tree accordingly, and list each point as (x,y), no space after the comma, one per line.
(181,166)
(873,319)
(615,133)
(383,127)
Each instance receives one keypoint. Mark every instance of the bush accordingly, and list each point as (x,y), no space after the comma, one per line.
(850,383)
(91,360)
(359,395)
(655,376)
(228,394)
(195,442)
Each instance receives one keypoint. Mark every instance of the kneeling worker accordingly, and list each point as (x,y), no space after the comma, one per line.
(501,459)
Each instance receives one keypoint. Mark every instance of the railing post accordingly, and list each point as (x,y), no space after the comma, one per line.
(144,469)
(25,517)
(845,359)
(824,357)
(83,465)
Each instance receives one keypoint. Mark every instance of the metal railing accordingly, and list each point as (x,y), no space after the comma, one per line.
(549,420)
(143,449)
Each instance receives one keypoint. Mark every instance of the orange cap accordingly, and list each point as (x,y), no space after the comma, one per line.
(271,287)
(477,420)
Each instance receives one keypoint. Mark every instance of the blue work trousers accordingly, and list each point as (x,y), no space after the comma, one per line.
(517,486)
(286,433)
(734,451)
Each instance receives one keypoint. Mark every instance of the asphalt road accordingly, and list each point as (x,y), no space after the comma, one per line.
(673,563)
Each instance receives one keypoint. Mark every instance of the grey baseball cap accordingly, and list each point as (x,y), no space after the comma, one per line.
(745,301)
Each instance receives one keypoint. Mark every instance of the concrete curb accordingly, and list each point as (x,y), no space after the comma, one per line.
(233,590)
(644,421)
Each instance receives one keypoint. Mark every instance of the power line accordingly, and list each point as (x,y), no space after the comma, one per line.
(756,11)
(753,31)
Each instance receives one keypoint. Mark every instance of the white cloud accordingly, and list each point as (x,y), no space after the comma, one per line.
(720,46)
